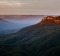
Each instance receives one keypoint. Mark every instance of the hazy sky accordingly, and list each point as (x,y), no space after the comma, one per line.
(30,7)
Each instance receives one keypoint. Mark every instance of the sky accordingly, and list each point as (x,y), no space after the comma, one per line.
(29,7)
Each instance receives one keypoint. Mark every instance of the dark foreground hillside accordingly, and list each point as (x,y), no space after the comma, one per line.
(35,40)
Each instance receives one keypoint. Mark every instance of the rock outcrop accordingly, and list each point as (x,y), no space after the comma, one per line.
(50,20)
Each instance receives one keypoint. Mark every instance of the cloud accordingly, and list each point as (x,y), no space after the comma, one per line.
(30,7)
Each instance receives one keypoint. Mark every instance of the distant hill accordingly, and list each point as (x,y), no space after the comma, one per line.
(1,20)
(6,26)
(41,39)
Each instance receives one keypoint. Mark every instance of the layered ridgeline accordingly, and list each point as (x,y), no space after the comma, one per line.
(41,39)
(8,27)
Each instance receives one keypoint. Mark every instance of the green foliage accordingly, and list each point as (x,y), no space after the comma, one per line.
(41,40)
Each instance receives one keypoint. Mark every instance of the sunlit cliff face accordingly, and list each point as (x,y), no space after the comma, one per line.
(57,19)
(51,20)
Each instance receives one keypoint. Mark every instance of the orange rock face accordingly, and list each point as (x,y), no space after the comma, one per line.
(57,19)
(51,20)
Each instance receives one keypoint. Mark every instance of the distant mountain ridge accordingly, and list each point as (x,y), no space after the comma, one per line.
(6,26)
(2,20)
